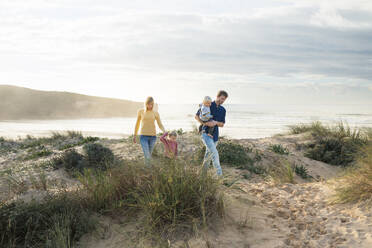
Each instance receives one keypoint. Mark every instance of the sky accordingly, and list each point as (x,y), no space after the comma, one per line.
(260,52)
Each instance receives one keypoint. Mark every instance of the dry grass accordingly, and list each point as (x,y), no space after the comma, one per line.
(356,185)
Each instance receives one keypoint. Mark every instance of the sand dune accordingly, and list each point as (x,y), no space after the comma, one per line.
(259,213)
(23,103)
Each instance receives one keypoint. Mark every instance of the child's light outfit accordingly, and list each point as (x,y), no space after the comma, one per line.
(205,116)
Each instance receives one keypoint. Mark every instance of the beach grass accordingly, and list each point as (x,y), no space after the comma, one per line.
(170,198)
(356,184)
(337,145)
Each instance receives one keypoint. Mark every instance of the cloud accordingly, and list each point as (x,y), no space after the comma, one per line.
(282,43)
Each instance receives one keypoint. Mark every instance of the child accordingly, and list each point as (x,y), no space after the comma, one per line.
(170,144)
(205,116)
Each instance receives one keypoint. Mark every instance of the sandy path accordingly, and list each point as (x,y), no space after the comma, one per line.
(303,213)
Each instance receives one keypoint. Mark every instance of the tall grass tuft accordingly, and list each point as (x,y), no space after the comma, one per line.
(315,127)
(56,221)
(177,196)
(356,185)
(282,173)
(171,196)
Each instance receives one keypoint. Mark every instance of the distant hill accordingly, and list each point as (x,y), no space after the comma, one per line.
(23,103)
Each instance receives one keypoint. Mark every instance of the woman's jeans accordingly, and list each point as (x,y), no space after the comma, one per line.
(148,144)
(211,153)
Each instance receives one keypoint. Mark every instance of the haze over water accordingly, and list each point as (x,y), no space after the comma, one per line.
(242,121)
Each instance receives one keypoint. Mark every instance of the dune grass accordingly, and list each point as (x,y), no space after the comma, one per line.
(356,184)
(171,198)
(57,140)
(315,127)
(56,221)
(283,172)
(336,145)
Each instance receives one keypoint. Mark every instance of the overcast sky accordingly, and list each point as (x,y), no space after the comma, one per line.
(178,51)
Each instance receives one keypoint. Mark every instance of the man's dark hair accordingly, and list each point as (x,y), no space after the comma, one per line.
(222,93)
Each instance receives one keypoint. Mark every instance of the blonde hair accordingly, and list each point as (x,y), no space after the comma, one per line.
(207,99)
(149,100)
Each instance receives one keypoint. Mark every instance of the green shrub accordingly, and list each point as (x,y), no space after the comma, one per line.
(302,171)
(337,148)
(259,170)
(180,131)
(278,148)
(98,156)
(56,221)
(336,145)
(230,153)
(70,160)
(2,139)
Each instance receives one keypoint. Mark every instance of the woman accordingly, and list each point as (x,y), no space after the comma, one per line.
(146,117)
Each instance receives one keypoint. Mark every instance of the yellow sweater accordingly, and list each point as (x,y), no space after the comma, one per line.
(147,121)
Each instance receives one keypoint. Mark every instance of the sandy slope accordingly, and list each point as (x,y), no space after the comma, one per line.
(258,213)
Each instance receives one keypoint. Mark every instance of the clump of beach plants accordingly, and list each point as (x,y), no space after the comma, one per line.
(336,145)
(231,154)
(279,149)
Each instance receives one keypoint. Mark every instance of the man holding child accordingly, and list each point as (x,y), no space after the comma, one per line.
(218,114)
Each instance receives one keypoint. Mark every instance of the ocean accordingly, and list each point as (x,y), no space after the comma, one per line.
(242,120)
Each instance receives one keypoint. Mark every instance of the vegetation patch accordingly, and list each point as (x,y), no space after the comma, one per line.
(95,156)
(70,160)
(171,199)
(315,127)
(302,171)
(282,173)
(57,221)
(98,156)
(336,145)
(43,152)
(279,149)
(231,153)
(356,185)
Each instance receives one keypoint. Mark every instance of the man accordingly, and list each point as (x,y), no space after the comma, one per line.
(219,114)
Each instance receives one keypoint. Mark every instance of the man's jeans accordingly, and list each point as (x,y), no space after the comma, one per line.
(148,144)
(211,153)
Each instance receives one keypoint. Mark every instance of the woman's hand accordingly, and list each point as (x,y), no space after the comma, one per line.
(134,139)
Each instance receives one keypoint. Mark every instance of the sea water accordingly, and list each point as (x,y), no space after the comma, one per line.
(242,120)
